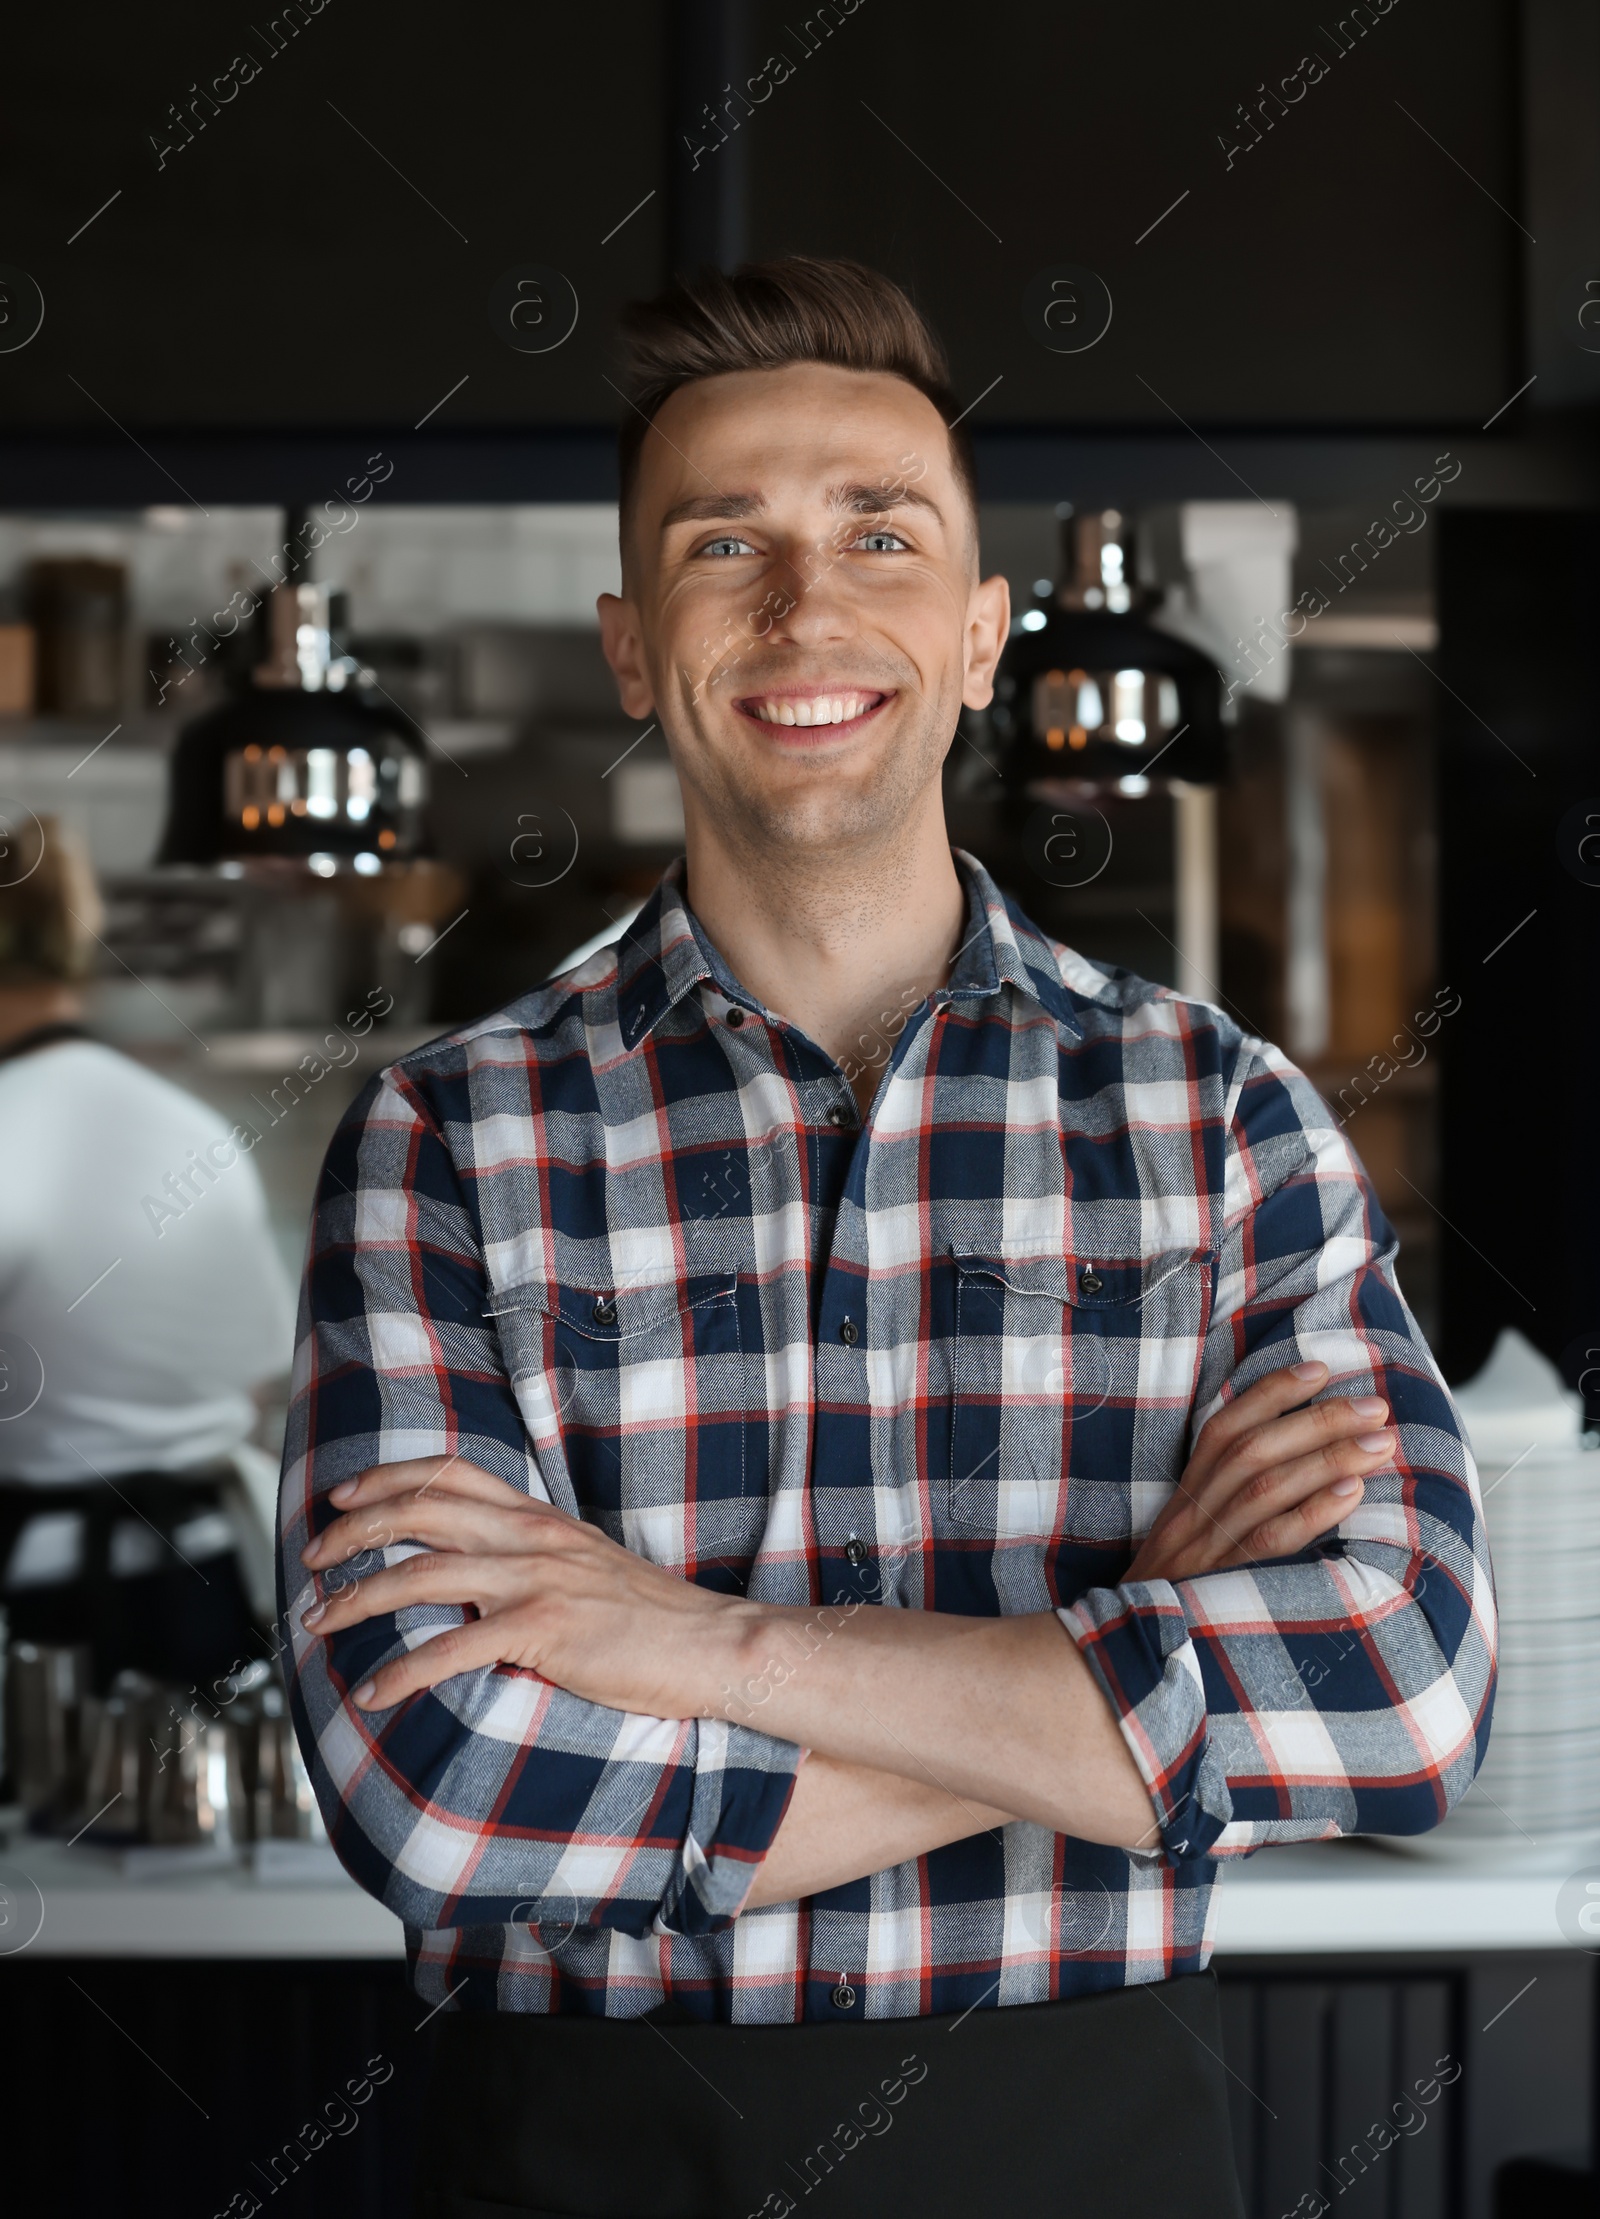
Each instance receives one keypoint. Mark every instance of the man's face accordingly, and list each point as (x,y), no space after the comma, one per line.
(801,608)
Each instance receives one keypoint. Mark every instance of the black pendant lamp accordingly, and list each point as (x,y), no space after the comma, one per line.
(1090,690)
(307,761)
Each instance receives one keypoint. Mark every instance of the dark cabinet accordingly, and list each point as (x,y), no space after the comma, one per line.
(1298,220)
(325,218)
(302,219)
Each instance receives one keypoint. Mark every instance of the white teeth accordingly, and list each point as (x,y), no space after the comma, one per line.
(837,708)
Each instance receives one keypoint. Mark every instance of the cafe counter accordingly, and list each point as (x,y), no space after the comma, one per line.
(1324,1899)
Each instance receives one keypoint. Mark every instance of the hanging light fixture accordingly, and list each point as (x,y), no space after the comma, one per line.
(1091,691)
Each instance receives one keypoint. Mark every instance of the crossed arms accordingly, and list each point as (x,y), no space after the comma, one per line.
(921,1727)
(607,1737)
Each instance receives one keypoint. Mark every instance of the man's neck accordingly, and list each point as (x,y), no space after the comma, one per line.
(845,947)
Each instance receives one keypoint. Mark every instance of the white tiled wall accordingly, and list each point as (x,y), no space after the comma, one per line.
(406,569)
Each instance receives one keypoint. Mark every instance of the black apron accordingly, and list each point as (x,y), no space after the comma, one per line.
(180,1621)
(1104,2105)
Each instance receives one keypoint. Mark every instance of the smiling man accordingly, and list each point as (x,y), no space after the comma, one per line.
(845,1454)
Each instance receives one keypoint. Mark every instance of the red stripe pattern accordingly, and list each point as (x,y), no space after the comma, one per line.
(629,1244)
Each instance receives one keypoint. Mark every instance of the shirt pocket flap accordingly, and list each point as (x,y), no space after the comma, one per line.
(614,1313)
(1086,1282)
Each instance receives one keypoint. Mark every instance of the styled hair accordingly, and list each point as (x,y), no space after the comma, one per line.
(50,909)
(766,315)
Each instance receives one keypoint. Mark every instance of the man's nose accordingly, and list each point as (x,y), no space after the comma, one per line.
(814,603)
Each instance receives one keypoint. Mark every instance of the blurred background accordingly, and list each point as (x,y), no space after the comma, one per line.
(1281,344)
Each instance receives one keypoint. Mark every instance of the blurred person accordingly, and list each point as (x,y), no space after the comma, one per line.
(845,1454)
(141,1302)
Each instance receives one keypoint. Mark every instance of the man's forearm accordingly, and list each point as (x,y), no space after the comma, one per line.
(844,1822)
(999,1713)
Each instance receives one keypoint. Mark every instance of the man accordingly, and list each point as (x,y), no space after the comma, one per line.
(141,1303)
(754,1591)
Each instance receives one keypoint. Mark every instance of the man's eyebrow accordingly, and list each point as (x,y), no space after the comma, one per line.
(876,500)
(707,508)
(856,499)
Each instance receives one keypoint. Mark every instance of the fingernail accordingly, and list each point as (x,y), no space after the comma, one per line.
(1370,1406)
(1347,1487)
(310,1617)
(1312,1370)
(310,1553)
(1374,1444)
(342,1493)
(364,1693)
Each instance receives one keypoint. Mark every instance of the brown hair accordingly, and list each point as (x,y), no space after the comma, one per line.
(49,906)
(765,316)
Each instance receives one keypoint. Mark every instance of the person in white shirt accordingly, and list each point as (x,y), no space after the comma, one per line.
(141,1302)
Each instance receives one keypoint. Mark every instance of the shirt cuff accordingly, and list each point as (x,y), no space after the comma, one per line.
(1136,1641)
(742,1784)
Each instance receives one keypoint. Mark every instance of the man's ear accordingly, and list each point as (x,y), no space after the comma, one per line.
(623,645)
(988,628)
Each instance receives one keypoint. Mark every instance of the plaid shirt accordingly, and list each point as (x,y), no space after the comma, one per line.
(629,1245)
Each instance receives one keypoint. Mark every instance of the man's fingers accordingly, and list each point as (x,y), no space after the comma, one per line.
(443,1521)
(1295,1529)
(479,1580)
(462,1649)
(1222,1523)
(1285,1488)
(1277,1442)
(1289,1478)
(1267,1400)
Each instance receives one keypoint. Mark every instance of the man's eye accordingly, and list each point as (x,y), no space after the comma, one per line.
(881,542)
(729,544)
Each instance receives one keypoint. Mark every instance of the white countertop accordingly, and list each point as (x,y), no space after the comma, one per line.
(1327,1899)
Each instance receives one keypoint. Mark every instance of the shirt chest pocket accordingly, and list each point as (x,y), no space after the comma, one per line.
(1072,1382)
(632,1399)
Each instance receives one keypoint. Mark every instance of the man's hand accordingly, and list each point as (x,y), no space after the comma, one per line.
(550,1592)
(1262,1483)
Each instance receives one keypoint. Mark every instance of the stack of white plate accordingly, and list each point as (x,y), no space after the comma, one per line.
(1538,1792)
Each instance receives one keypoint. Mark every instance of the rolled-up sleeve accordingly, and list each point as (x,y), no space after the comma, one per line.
(494,1795)
(1347,1690)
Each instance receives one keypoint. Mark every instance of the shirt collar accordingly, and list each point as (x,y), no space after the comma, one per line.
(1001,947)
(666,954)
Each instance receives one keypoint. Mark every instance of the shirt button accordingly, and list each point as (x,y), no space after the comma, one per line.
(857,1551)
(838,1114)
(736,1017)
(844,1995)
(1090,1281)
(849,1333)
(605,1312)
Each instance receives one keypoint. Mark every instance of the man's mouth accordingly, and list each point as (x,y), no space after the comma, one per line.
(842,708)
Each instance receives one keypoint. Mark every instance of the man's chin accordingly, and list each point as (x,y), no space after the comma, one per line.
(817,827)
